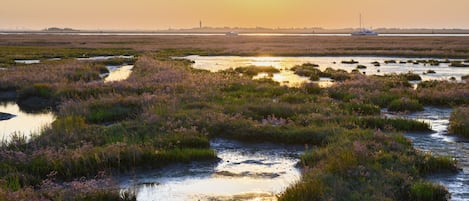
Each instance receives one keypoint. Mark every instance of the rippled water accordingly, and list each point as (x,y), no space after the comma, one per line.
(440,143)
(245,171)
(286,76)
(22,123)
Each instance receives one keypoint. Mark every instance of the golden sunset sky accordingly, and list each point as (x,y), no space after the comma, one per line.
(162,14)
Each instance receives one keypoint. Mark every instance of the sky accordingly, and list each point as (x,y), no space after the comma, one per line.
(163,14)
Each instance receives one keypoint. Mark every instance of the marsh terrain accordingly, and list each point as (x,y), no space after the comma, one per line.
(233,118)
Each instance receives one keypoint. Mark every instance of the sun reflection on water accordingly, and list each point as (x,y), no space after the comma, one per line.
(267,61)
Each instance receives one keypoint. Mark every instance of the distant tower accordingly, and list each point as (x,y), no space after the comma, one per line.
(200,24)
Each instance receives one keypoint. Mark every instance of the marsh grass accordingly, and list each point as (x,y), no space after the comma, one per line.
(353,164)
(405,105)
(427,191)
(443,93)
(459,121)
(308,70)
(11,53)
(458,64)
(255,70)
(166,112)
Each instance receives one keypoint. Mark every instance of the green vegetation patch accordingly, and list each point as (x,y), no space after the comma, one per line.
(255,70)
(362,165)
(459,121)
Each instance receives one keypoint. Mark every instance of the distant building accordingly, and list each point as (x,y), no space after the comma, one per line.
(55,29)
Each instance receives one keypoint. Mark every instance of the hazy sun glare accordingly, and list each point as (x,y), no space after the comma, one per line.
(162,14)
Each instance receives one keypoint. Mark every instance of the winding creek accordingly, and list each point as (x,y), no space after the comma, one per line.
(440,143)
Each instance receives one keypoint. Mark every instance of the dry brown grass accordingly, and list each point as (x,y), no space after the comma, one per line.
(261,45)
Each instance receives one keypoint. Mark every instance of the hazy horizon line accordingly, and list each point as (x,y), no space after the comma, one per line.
(19,28)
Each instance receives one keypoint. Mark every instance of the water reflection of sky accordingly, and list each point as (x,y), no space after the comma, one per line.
(216,63)
(245,171)
(23,123)
(118,73)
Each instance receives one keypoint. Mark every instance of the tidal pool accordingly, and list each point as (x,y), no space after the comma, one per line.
(22,123)
(440,143)
(245,172)
(442,72)
(97,58)
(27,61)
(117,73)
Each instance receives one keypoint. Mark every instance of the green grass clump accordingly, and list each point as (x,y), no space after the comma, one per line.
(308,70)
(405,105)
(412,76)
(37,90)
(349,62)
(118,61)
(360,165)
(255,70)
(458,64)
(428,191)
(433,62)
(337,75)
(429,164)
(459,121)
(443,93)
(361,67)
(37,97)
(110,113)
(392,124)
(375,63)
(465,77)
(361,109)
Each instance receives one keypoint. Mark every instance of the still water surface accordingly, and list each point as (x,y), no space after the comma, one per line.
(286,76)
(23,123)
(118,73)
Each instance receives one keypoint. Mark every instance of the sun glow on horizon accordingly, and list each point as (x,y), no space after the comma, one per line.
(162,14)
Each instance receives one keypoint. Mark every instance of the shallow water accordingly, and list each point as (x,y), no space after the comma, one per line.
(117,73)
(28,61)
(97,58)
(23,123)
(216,63)
(245,171)
(440,143)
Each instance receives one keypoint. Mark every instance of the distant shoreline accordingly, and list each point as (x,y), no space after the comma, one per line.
(217,33)
(245,31)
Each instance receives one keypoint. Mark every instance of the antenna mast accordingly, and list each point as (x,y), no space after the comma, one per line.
(360,21)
